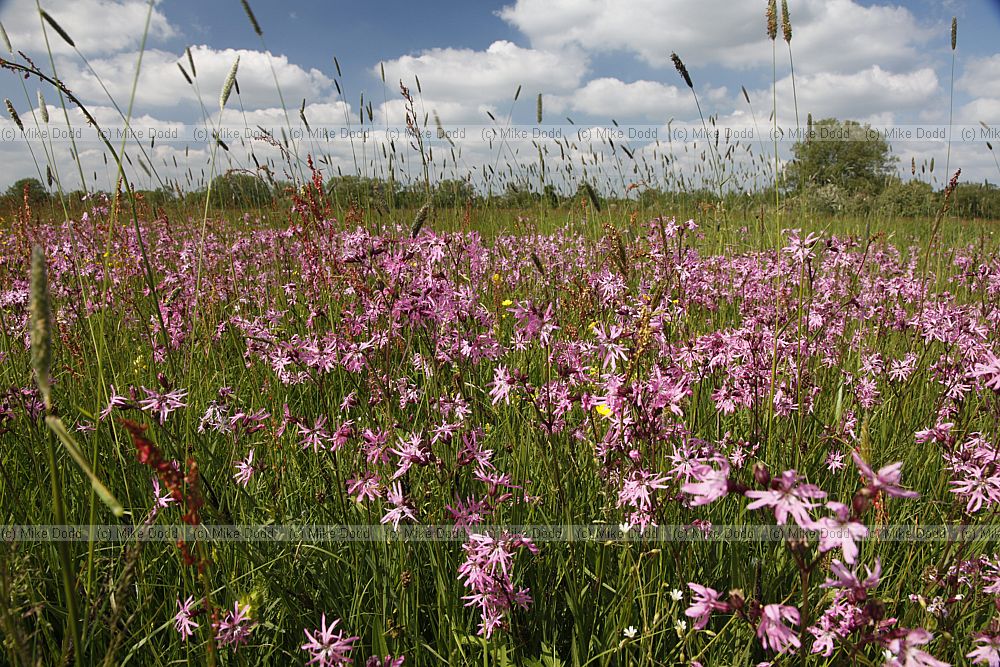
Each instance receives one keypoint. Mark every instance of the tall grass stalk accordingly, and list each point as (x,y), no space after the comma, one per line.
(951,93)
(786,31)
(55,75)
(712,148)
(41,363)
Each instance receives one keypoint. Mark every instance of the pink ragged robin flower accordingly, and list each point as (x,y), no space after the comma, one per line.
(235,627)
(989,371)
(400,509)
(772,631)
(840,531)
(327,648)
(885,480)
(988,650)
(903,649)
(709,485)
(163,403)
(788,497)
(705,601)
(244,470)
(184,620)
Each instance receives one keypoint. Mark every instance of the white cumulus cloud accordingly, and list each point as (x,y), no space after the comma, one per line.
(95,26)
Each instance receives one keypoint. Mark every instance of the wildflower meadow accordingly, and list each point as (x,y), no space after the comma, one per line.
(593,427)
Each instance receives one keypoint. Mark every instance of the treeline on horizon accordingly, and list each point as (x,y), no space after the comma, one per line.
(244,191)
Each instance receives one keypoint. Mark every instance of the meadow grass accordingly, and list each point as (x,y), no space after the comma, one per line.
(404,597)
(613,363)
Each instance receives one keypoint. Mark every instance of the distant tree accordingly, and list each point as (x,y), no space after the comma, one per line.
(242,190)
(909,199)
(362,190)
(452,192)
(519,196)
(977,200)
(159,197)
(37,194)
(850,157)
(650,197)
(551,195)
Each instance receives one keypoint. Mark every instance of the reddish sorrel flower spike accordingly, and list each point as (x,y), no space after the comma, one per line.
(183,488)
(193,500)
(149,454)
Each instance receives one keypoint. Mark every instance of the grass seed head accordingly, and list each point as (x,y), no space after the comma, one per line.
(786,22)
(681,69)
(592,196)
(253,19)
(772,19)
(420,219)
(227,88)
(13,114)
(58,28)
(185,74)
(6,40)
(41,325)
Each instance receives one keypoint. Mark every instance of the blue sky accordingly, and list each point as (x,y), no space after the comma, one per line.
(593,60)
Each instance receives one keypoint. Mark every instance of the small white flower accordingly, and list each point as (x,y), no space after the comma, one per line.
(681,626)
(676,595)
(625,527)
(629,632)
(937,607)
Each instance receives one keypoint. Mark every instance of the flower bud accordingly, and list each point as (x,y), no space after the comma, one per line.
(875,610)
(761,474)
(754,610)
(797,544)
(732,486)
(861,501)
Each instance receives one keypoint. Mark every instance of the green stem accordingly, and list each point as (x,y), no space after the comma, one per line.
(65,562)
